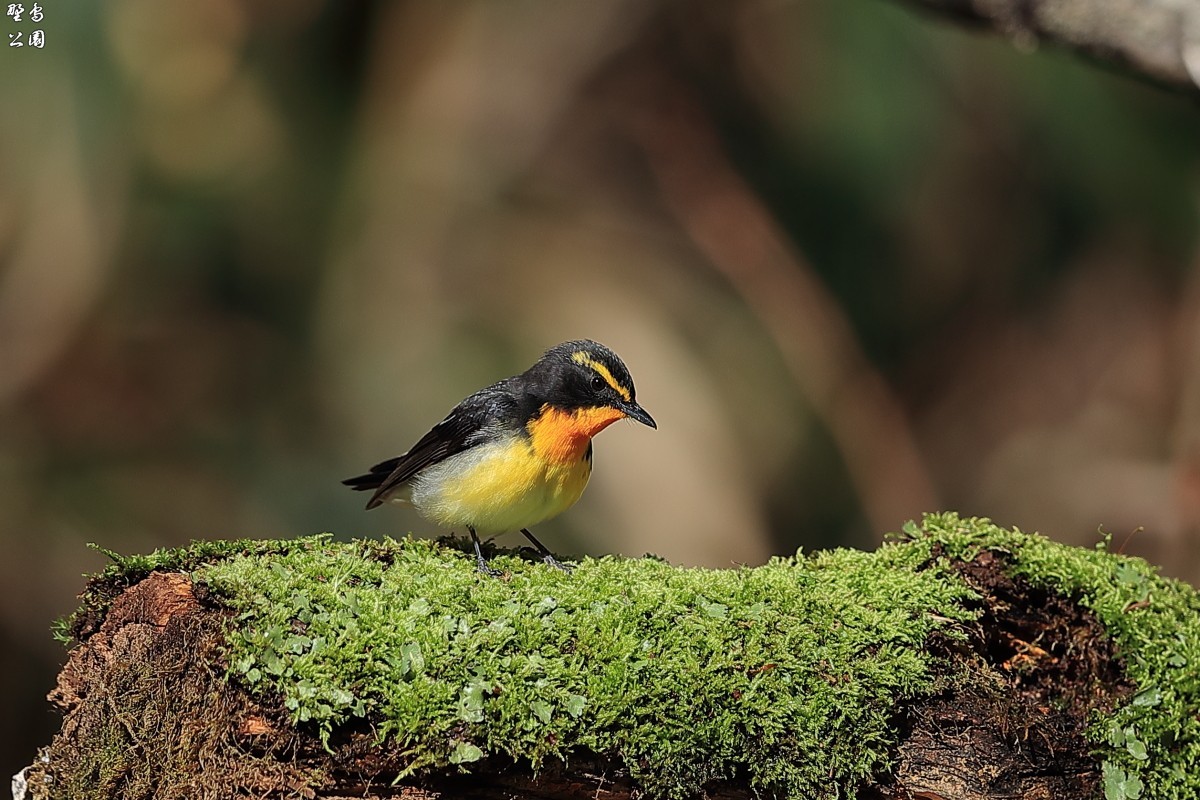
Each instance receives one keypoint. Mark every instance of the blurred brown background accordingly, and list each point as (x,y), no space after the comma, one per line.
(861,265)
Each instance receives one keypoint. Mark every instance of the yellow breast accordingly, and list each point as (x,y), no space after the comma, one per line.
(517,481)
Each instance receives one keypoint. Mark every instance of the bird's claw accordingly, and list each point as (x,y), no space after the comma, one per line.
(558,565)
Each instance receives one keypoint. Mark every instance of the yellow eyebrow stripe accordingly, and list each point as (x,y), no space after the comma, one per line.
(583,358)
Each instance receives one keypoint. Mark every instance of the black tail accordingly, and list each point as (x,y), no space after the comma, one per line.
(373,479)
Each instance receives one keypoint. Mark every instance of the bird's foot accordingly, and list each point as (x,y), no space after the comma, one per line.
(558,565)
(546,555)
(483,567)
(481,564)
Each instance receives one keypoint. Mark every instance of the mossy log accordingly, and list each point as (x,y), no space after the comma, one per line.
(958,661)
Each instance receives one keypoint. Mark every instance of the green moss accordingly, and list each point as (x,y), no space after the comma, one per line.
(1151,746)
(788,675)
(124,571)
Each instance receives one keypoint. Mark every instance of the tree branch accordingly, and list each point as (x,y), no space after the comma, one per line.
(1155,39)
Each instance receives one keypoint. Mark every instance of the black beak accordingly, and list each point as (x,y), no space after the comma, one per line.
(634,411)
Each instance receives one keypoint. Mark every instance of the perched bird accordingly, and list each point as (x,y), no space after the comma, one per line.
(515,453)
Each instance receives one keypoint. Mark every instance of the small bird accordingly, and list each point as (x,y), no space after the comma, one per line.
(515,453)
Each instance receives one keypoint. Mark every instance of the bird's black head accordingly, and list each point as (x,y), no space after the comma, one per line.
(584,374)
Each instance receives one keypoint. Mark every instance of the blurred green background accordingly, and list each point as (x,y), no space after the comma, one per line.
(861,264)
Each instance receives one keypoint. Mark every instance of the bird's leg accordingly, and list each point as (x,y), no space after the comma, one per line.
(481,564)
(547,556)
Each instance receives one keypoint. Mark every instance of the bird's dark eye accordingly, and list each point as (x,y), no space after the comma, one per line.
(598,383)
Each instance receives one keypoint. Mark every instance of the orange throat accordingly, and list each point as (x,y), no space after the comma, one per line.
(562,437)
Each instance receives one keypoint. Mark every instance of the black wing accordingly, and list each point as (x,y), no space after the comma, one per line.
(463,428)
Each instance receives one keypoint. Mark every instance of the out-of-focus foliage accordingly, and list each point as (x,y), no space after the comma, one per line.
(860,264)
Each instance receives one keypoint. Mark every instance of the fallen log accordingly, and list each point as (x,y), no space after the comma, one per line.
(958,661)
